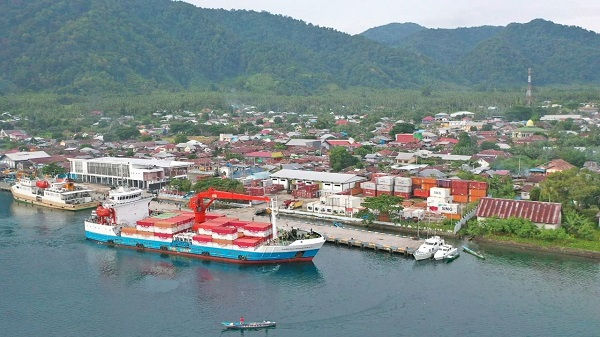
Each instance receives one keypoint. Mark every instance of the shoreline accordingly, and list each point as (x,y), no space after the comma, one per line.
(530,247)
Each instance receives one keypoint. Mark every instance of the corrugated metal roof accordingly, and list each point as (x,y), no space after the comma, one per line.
(318,176)
(536,211)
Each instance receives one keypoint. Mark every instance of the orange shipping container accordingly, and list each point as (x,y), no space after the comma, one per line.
(145,233)
(461,198)
(417,181)
(430,181)
(477,193)
(222,241)
(129,230)
(473,198)
(427,186)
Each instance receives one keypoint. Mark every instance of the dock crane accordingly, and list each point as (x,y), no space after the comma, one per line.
(199,205)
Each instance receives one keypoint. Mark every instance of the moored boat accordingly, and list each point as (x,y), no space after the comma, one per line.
(55,193)
(250,325)
(428,248)
(124,220)
(473,252)
(444,252)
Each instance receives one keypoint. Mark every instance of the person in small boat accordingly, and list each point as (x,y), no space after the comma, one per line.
(242,320)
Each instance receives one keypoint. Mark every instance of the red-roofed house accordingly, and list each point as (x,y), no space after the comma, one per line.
(546,215)
(557,165)
(341,122)
(406,138)
(347,143)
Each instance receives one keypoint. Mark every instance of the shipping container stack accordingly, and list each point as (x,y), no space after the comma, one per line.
(369,189)
(403,187)
(273,188)
(306,191)
(161,227)
(255,190)
(231,233)
(418,189)
(385,185)
(477,190)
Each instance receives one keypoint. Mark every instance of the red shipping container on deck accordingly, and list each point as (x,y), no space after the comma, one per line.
(202,238)
(148,222)
(247,242)
(224,230)
(163,235)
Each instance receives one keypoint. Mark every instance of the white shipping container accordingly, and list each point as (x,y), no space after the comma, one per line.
(448,208)
(385,188)
(403,181)
(369,185)
(439,192)
(385,180)
(402,189)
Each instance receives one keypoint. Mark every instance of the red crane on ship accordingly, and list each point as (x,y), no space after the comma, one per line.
(199,206)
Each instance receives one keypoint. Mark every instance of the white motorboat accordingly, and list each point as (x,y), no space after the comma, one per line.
(428,248)
(445,252)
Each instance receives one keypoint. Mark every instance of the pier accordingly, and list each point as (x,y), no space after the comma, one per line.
(361,238)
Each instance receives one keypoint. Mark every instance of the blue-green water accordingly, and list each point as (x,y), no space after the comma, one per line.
(55,283)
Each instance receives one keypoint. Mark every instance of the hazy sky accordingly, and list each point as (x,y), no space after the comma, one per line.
(356,16)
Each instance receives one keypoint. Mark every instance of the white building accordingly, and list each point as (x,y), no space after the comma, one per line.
(150,174)
(329,182)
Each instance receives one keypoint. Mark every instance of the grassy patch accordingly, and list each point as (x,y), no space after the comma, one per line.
(571,243)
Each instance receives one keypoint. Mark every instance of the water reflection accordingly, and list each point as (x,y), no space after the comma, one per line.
(132,266)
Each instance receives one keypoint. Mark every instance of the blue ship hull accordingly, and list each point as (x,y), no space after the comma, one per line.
(207,253)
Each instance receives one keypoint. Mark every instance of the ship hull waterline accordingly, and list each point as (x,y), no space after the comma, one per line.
(206,253)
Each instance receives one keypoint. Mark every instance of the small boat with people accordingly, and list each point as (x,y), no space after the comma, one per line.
(445,251)
(428,248)
(473,252)
(241,325)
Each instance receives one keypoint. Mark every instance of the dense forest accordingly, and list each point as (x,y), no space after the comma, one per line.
(138,47)
(488,56)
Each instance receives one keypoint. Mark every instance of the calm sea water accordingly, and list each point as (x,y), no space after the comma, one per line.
(55,283)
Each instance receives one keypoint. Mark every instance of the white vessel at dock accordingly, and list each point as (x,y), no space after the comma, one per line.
(55,193)
(444,252)
(428,248)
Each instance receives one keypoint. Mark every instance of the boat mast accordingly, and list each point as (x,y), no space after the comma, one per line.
(274,212)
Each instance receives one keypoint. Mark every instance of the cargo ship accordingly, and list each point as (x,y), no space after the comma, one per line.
(59,193)
(125,220)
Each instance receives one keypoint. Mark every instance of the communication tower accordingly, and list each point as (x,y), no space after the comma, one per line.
(529,94)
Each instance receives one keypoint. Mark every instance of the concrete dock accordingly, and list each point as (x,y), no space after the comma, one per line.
(361,238)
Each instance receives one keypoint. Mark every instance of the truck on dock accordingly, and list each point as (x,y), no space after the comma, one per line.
(292,204)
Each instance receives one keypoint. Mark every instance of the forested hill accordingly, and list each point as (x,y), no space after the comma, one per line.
(490,56)
(116,45)
(90,46)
